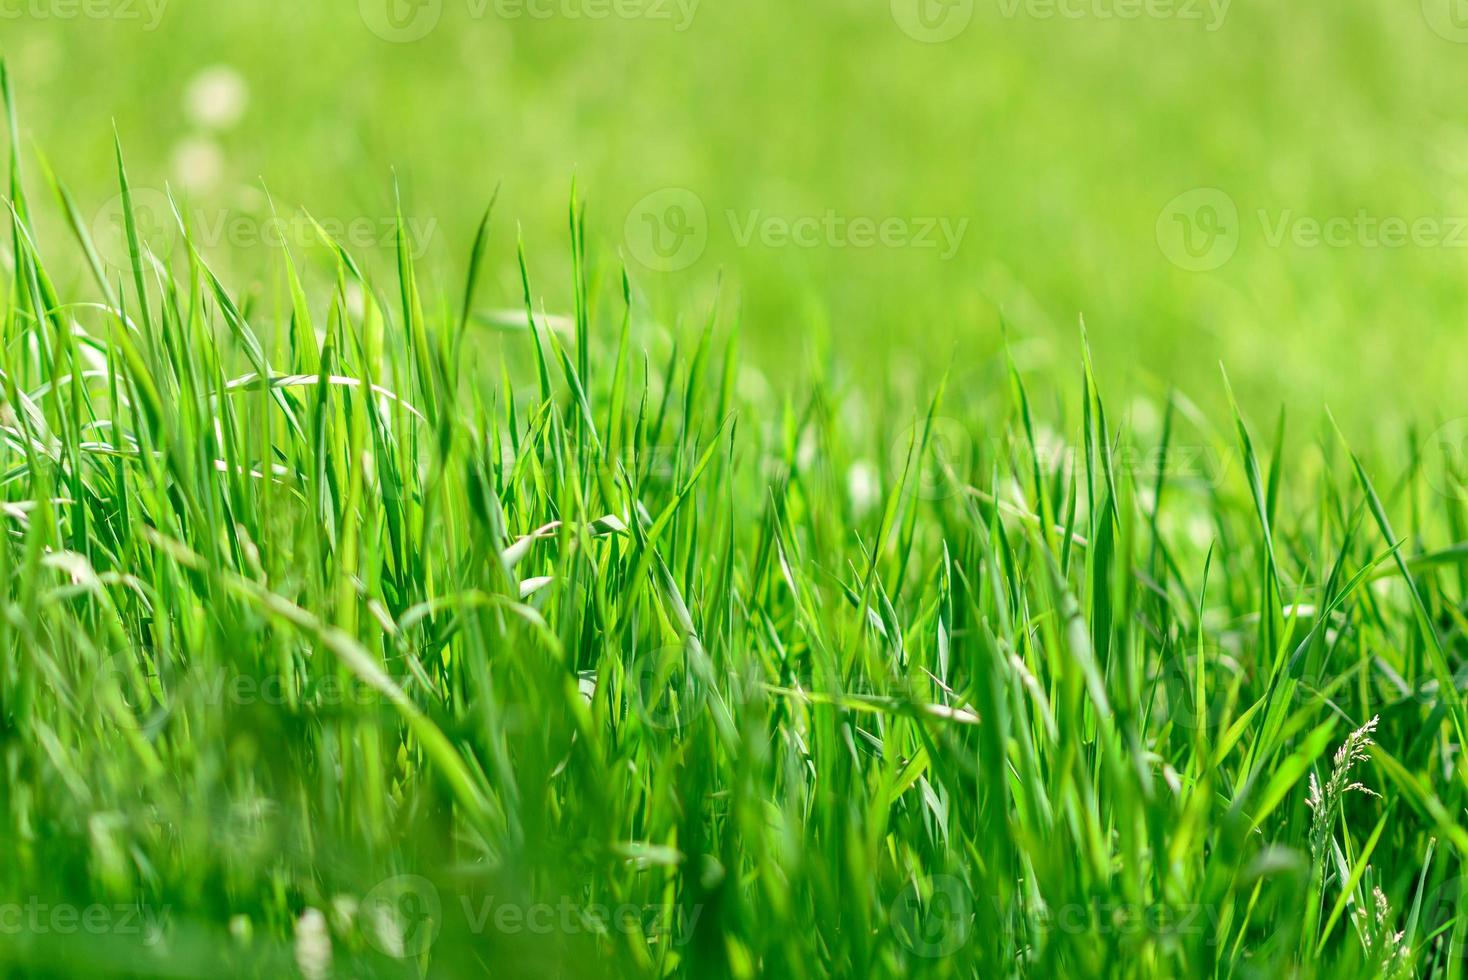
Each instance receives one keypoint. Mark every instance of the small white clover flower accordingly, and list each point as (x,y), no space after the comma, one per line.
(198,163)
(216,98)
(313,945)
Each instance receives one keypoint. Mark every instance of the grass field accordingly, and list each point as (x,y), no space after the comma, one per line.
(681,587)
(1061,139)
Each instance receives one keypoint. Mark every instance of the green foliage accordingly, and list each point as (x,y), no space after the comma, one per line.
(345,635)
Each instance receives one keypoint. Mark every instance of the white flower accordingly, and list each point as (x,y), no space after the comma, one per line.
(356,302)
(313,945)
(864,486)
(217,97)
(198,163)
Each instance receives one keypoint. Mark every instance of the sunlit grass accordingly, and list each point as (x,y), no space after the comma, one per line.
(344,638)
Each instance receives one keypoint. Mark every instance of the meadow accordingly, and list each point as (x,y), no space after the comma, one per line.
(574,488)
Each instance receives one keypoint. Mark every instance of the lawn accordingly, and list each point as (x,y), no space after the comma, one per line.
(802,542)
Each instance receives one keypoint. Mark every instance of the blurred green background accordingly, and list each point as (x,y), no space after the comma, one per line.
(1057,135)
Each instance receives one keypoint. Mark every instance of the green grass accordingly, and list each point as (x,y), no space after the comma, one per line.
(1059,140)
(355,628)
